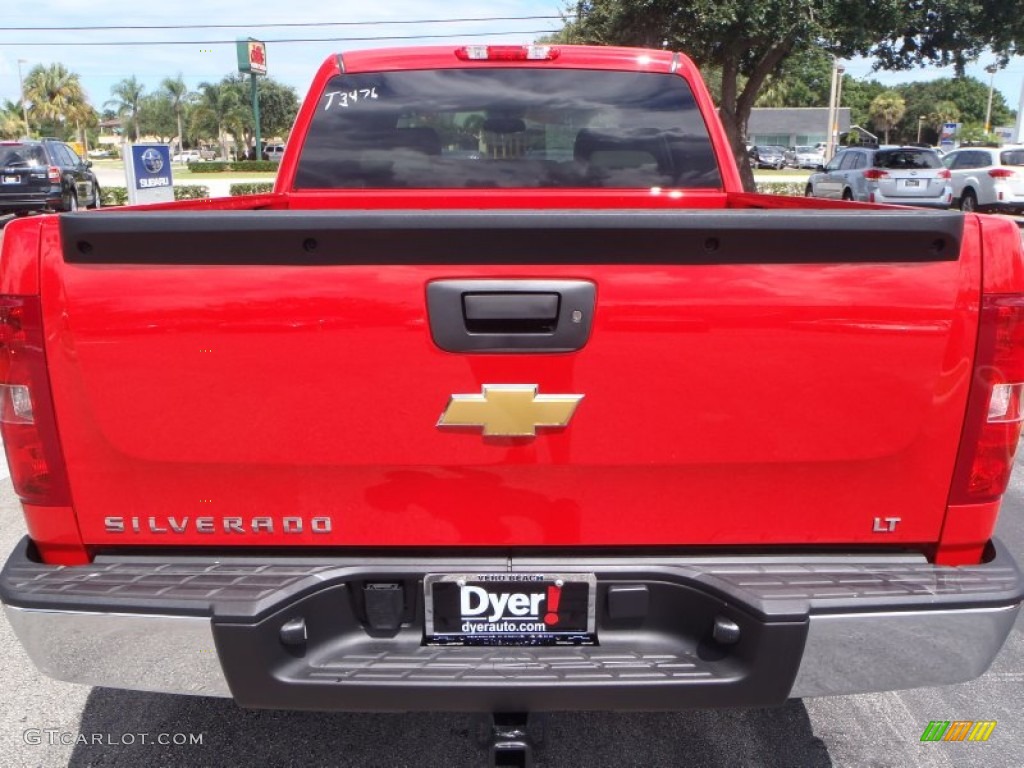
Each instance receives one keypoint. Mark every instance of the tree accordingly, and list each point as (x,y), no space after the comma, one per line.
(12,124)
(56,99)
(887,109)
(218,110)
(177,93)
(974,133)
(156,117)
(803,80)
(752,40)
(127,95)
(858,95)
(278,106)
(943,112)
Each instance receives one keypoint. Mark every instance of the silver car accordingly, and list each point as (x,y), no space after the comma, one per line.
(809,157)
(892,175)
(987,178)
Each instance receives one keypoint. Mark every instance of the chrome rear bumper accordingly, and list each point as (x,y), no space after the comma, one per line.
(812,625)
(138,652)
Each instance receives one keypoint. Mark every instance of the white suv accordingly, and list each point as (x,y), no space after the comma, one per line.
(987,178)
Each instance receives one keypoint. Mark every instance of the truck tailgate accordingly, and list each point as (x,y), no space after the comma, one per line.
(750,378)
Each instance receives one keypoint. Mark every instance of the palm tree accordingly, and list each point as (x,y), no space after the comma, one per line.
(774,93)
(943,112)
(218,109)
(56,96)
(127,94)
(175,90)
(12,124)
(887,109)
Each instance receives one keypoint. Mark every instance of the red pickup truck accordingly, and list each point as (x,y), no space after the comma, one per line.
(508,399)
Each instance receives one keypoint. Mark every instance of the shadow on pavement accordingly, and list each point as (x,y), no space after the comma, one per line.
(234,736)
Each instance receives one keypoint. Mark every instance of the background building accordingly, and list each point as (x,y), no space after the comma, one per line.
(792,126)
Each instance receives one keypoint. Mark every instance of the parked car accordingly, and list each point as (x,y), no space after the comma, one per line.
(187,156)
(895,175)
(767,157)
(273,152)
(45,175)
(809,157)
(987,178)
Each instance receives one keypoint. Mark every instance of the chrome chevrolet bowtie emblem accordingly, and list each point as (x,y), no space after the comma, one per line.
(509,410)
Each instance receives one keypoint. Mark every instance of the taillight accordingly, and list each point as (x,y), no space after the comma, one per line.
(26,410)
(944,174)
(994,412)
(1001,173)
(53,172)
(875,173)
(507,53)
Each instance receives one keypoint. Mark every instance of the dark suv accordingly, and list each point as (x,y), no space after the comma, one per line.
(45,175)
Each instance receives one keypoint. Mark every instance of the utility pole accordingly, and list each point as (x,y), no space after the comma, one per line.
(24,109)
(920,122)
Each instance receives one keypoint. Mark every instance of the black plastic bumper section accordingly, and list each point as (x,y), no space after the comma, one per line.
(672,633)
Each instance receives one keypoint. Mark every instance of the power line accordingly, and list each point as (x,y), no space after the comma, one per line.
(290,39)
(280,24)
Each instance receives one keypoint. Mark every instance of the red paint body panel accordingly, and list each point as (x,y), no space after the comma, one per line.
(19,259)
(743,405)
(54,530)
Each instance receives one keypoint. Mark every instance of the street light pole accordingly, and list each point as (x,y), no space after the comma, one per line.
(830,146)
(24,109)
(991,69)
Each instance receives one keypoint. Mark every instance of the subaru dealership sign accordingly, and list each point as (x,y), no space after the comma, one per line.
(149,174)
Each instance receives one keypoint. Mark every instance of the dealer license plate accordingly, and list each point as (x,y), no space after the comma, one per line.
(11,180)
(510,609)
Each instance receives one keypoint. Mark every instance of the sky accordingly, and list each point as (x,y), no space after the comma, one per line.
(293,63)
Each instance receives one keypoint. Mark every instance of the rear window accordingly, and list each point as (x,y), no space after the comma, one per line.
(1012,157)
(31,155)
(909,159)
(507,128)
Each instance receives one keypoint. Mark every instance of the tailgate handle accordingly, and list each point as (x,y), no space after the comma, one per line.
(510,312)
(510,315)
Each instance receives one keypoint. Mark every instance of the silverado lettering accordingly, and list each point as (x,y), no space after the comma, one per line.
(509,329)
(210,524)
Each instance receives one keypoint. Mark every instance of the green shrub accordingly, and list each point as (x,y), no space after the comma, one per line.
(110,196)
(252,189)
(261,166)
(214,167)
(238,166)
(791,188)
(114,196)
(191,192)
